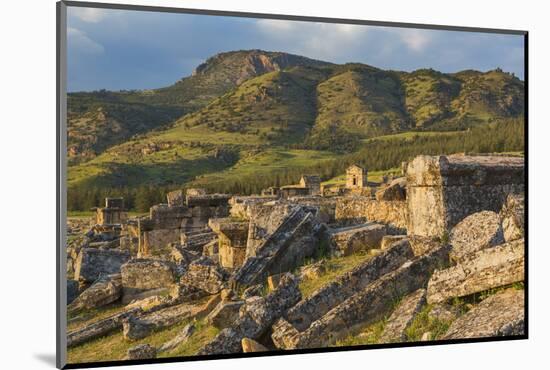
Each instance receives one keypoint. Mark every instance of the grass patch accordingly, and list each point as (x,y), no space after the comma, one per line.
(335,267)
(80,318)
(423,323)
(203,334)
(370,335)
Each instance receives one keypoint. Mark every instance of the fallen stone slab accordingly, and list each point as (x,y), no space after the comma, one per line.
(478,231)
(146,277)
(206,275)
(225,314)
(99,328)
(141,352)
(256,317)
(402,317)
(388,240)
(483,270)
(337,291)
(252,291)
(350,240)
(286,248)
(182,337)
(93,263)
(501,314)
(422,245)
(370,304)
(250,345)
(140,327)
(103,291)
(197,240)
(313,271)
(512,216)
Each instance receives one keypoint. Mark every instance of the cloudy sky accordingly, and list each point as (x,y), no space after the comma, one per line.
(121,49)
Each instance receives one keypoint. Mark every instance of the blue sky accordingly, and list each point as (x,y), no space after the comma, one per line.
(121,49)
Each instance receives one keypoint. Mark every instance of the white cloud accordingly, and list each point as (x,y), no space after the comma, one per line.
(415,39)
(89,15)
(79,41)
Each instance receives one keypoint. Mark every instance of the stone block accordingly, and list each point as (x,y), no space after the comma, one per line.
(93,263)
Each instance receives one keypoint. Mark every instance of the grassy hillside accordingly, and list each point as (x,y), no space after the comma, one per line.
(246,120)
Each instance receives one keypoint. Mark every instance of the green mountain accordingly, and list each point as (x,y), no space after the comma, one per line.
(261,115)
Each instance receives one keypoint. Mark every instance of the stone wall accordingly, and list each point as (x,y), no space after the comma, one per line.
(443,190)
(359,209)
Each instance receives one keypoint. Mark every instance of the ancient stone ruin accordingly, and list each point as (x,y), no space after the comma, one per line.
(245,268)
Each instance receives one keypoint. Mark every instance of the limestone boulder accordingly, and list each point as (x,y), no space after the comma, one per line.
(93,263)
(395,190)
(205,275)
(256,317)
(146,277)
(512,216)
(253,291)
(476,232)
(388,240)
(483,270)
(250,345)
(402,317)
(141,352)
(225,314)
(313,271)
(502,314)
(353,239)
(103,291)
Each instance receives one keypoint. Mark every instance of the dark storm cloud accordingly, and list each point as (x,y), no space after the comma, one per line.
(115,49)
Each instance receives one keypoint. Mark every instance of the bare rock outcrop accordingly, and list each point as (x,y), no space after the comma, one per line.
(501,314)
(476,232)
(141,352)
(486,269)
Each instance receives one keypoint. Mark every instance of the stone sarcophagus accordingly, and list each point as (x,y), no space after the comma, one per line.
(443,190)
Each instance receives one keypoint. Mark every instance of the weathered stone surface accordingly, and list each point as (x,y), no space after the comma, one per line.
(146,277)
(284,334)
(370,304)
(273,281)
(256,317)
(150,303)
(265,219)
(93,263)
(350,240)
(141,352)
(295,240)
(103,291)
(476,232)
(443,190)
(501,314)
(225,314)
(444,312)
(99,328)
(403,316)
(512,216)
(72,290)
(175,198)
(250,345)
(182,337)
(395,190)
(360,209)
(206,275)
(422,244)
(135,328)
(337,291)
(486,269)
(232,237)
(197,240)
(388,240)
